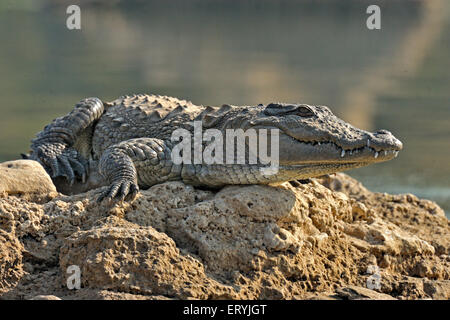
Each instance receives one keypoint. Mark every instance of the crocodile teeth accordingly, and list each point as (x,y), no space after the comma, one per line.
(351,152)
(342,153)
(396,153)
(385,152)
(368,142)
(376,155)
(318,143)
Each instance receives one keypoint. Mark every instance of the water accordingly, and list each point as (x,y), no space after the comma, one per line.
(244,53)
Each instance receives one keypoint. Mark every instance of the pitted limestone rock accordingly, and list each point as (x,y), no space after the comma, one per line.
(24,177)
(248,242)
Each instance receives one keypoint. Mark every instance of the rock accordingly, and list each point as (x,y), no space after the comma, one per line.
(419,217)
(437,289)
(317,296)
(174,241)
(120,257)
(383,238)
(409,287)
(11,266)
(44,297)
(360,293)
(24,177)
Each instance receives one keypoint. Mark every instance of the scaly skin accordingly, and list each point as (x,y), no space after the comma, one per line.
(130,138)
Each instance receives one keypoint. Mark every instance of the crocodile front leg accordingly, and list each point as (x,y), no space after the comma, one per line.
(52,147)
(136,162)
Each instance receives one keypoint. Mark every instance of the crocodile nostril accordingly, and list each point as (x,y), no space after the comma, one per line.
(382,131)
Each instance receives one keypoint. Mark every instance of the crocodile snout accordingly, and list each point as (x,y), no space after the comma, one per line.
(384,140)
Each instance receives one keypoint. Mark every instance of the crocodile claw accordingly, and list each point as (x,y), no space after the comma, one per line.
(79,168)
(119,191)
(66,169)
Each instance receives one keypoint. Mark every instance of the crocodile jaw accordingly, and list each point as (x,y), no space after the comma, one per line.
(311,170)
(365,152)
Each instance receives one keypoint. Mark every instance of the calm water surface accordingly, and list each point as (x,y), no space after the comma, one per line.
(243,53)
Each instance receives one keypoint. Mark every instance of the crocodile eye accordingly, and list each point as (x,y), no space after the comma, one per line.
(303,111)
(281,109)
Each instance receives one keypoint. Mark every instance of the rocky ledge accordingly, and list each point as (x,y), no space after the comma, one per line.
(329,238)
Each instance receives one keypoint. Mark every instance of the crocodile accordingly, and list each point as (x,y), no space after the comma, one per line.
(130,142)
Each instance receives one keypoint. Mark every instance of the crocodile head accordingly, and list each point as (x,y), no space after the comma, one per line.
(312,136)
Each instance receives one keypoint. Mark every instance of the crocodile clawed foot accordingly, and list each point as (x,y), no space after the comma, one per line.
(120,191)
(60,162)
